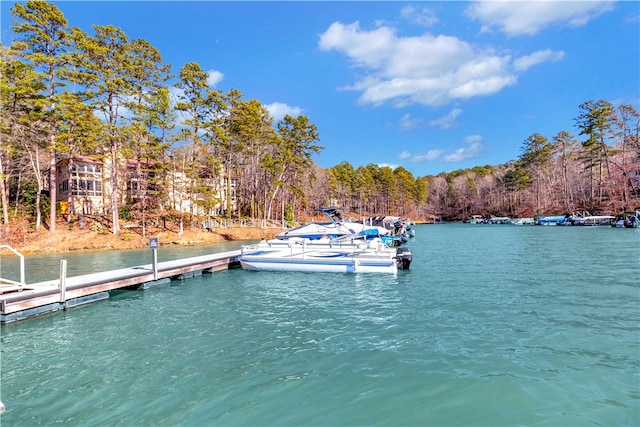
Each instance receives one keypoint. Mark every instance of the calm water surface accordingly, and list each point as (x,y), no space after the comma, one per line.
(493,325)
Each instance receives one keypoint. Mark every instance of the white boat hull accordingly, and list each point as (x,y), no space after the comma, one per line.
(594,220)
(320,256)
(320,266)
(523,221)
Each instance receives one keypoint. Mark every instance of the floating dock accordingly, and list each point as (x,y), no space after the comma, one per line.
(20,301)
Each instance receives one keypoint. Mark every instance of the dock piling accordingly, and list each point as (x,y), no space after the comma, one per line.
(153,245)
(63,280)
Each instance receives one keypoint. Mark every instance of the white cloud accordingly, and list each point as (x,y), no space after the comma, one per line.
(368,49)
(277,110)
(428,156)
(472,139)
(427,69)
(421,157)
(408,122)
(464,153)
(523,63)
(405,155)
(214,77)
(448,121)
(471,150)
(424,16)
(530,17)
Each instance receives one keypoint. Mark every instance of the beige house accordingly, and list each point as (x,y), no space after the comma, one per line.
(86,183)
(83,179)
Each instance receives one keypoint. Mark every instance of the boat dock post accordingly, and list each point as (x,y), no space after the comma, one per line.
(153,245)
(63,281)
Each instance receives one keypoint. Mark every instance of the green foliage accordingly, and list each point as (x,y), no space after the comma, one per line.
(125,212)
(595,122)
(290,155)
(517,178)
(196,99)
(482,171)
(454,174)
(421,191)
(288,215)
(342,176)
(536,151)
(471,184)
(406,185)
(26,202)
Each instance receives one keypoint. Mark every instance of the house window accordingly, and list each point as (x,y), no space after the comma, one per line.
(86,180)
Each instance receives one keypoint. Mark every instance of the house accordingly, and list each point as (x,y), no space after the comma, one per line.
(80,180)
(84,187)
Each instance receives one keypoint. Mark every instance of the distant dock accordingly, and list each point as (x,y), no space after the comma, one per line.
(20,301)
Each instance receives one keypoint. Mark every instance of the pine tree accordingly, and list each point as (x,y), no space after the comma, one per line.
(43,41)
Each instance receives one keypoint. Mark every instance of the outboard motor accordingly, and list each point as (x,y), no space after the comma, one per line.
(403,258)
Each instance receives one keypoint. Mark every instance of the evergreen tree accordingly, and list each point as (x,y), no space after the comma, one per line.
(24,130)
(102,69)
(536,155)
(43,41)
(197,103)
(595,123)
(291,155)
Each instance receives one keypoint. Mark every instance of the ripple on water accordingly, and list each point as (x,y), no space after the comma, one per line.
(490,326)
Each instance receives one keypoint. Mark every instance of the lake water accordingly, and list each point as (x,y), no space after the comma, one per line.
(492,325)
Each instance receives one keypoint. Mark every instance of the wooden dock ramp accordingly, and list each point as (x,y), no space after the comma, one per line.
(25,301)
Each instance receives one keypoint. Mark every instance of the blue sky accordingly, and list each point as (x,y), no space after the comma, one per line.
(430,86)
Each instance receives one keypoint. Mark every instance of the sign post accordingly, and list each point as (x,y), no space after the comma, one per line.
(153,245)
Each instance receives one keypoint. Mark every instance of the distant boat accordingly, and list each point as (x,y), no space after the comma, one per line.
(522,221)
(478,219)
(499,220)
(475,219)
(341,255)
(589,219)
(336,227)
(628,220)
(551,220)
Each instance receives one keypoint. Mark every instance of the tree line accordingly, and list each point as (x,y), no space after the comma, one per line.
(65,94)
(561,175)
(599,173)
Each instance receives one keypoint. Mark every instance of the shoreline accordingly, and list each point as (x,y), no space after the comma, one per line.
(63,240)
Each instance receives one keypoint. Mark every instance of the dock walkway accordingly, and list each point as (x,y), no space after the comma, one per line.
(25,301)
